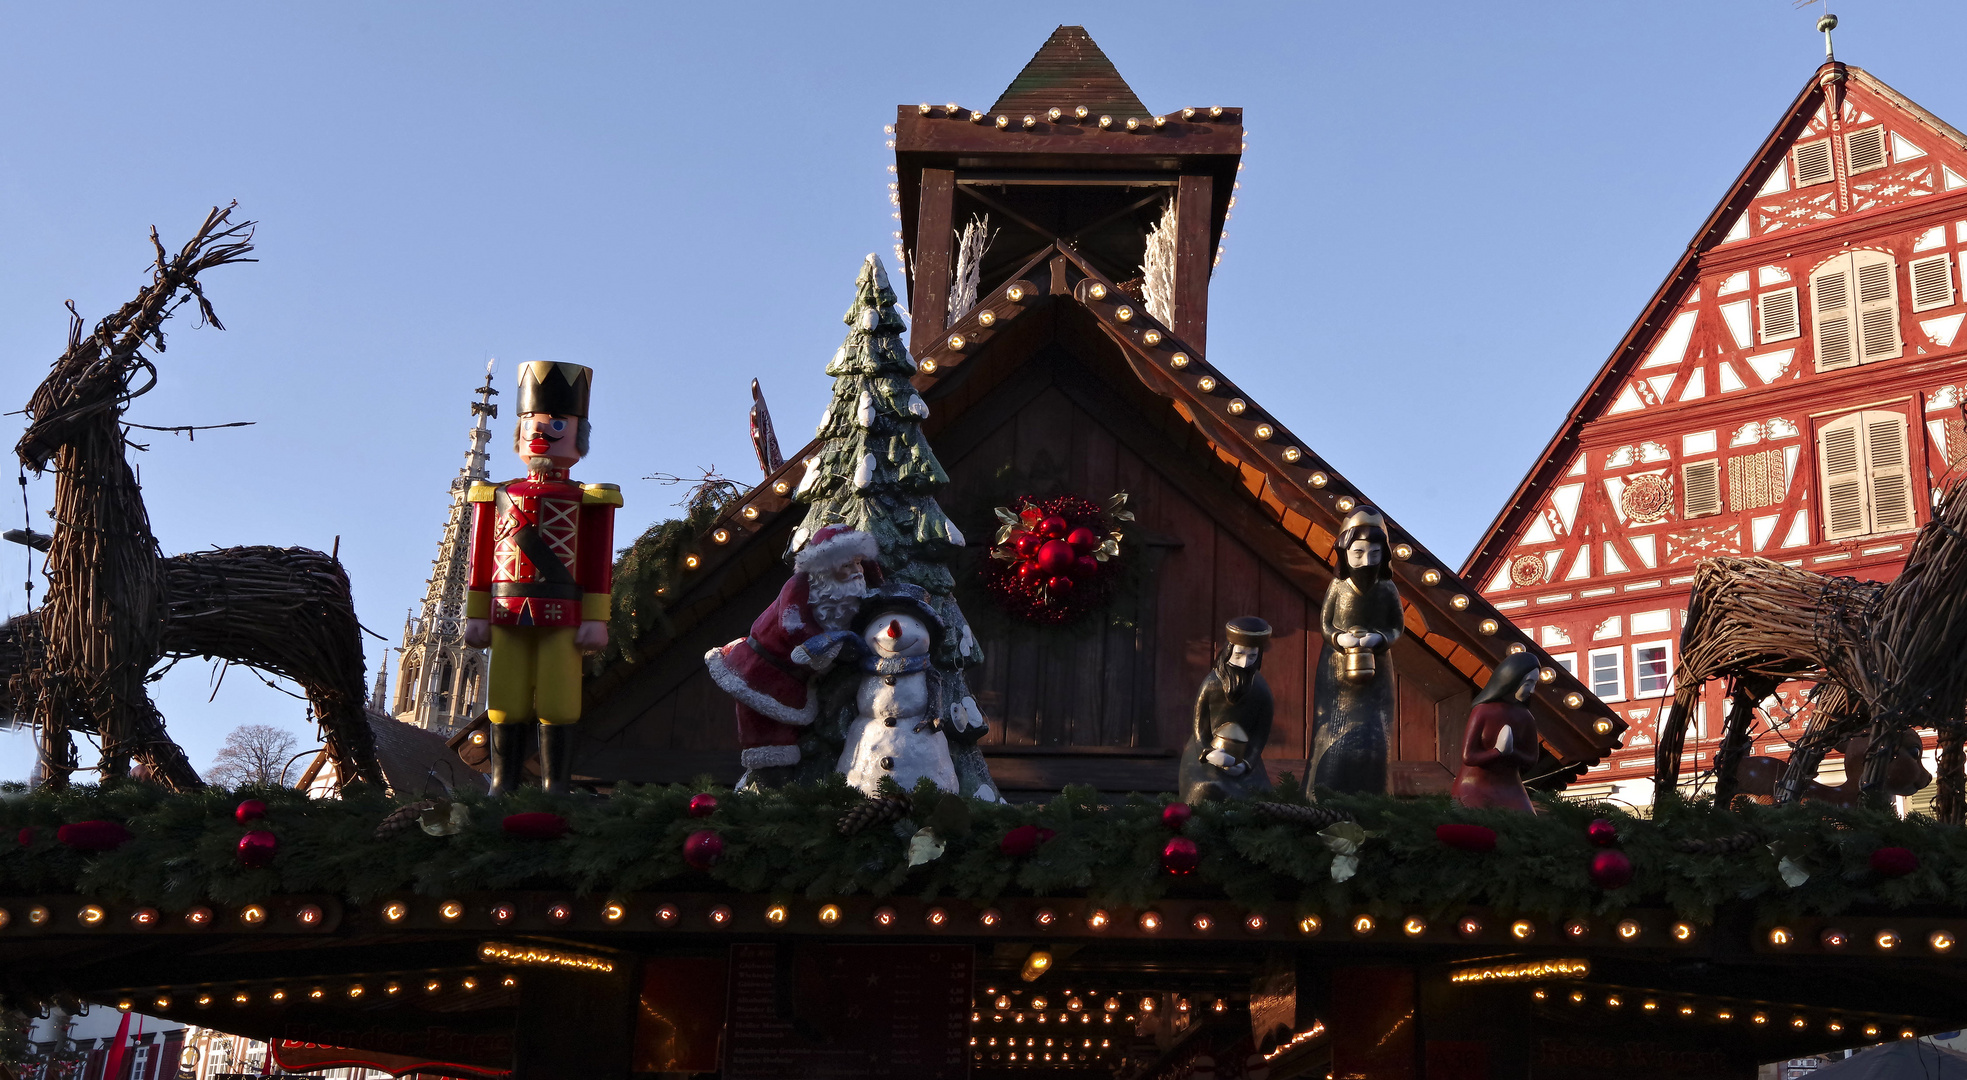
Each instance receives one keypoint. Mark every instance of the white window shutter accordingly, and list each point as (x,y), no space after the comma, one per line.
(1778,311)
(1832,311)
(1813,163)
(1865,150)
(1700,483)
(1878,306)
(1932,282)
(1887,468)
(1840,462)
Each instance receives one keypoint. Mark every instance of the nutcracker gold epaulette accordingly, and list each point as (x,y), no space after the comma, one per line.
(483,492)
(606,494)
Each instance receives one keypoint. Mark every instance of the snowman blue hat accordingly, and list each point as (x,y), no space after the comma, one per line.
(901,598)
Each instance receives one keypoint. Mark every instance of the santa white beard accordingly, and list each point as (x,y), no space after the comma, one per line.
(835,603)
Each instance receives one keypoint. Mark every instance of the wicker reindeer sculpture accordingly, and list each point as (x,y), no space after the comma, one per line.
(114,607)
(1885,658)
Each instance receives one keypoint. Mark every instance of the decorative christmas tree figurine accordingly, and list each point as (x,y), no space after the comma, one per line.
(876,474)
(542,565)
(1353,703)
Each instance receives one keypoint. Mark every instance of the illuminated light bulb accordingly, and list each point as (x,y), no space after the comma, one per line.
(1573,700)
(1833,938)
(1798,1022)
(469,984)
(1403,552)
(1179,360)
(1202,922)
(1310,925)
(614,912)
(1151,921)
(204,1001)
(720,915)
(666,915)
(951,108)
(936,917)
(1040,1003)
(692,562)
(924,108)
(1015,293)
(884,916)
(1613,1001)
(1577,997)
(1029,122)
(781,487)
(1431,576)
(1650,1006)
(1044,917)
(829,914)
(1215,112)
(451,910)
(1546,674)
(1488,626)
(91,915)
(1152,337)
(503,913)
(1459,602)
(1096,290)
(1133,123)
(278,996)
(1147,1004)
(1686,1010)
(1470,926)
(477,738)
(559,913)
(928,366)
(1515,647)
(1363,925)
(1017,1018)
(356,991)
(1940,941)
(989,917)
(1254,922)
(1576,928)
(163,1001)
(1292,454)
(1206,384)
(1887,940)
(1073,1004)
(142,918)
(1522,930)
(1188,114)
(1683,931)
(432,986)
(1054,113)
(1602,726)
(1758,1018)
(125,1005)
(1319,479)
(1181,1005)
(1106,121)
(1237,406)
(1907,1033)
(393,989)
(252,914)
(1345,503)
(1160,121)
(1782,937)
(1414,926)
(775,913)
(987,318)
(750,513)
(1003,122)
(957,341)
(1081,111)
(978,118)
(1124,313)
(1723,1015)
(1871,1031)
(307,915)
(1098,920)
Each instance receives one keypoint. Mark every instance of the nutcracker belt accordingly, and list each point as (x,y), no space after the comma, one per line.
(781,663)
(537,590)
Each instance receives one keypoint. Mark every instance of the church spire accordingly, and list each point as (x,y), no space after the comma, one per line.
(440,681)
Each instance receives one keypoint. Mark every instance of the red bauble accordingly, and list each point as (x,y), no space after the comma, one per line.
(1894,861)
(94,835)
(1180,856)
(1175,815)
(1023,840)
(1056,557)
(249,810)
(1085,566)
(1055,527)
(1611,869)
(1060,585)
(1083,539)
(256,849)
(1027,544)
(26,836)
(702,849)
(1476,838)
(1602,833)
(1028,571)
(537,825)
(703,805)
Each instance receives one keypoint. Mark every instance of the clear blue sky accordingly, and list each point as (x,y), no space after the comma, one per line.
(1450,214)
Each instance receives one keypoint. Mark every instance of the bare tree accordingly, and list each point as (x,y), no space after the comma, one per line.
(252,754)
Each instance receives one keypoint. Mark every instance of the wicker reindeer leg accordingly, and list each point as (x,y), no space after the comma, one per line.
(1671,738)
(1736,732)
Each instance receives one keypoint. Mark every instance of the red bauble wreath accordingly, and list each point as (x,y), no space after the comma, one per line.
(1055,559)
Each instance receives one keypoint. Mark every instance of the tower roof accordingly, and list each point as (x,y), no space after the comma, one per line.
(1067,71)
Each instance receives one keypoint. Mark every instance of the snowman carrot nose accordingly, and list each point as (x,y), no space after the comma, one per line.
(894,628)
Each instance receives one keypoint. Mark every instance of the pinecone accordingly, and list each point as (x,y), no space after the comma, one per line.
(1721,845)
(878,810)
(401,818)
(1315,816)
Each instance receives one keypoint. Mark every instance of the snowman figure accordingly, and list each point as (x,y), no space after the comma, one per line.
(897,732)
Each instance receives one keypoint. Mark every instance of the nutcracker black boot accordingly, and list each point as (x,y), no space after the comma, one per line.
(508,757)
(557,757)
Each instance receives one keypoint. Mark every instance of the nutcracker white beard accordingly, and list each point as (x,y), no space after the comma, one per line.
(835,602)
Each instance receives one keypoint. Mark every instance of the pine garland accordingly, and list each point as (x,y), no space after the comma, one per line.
(1317,817)
(789,842)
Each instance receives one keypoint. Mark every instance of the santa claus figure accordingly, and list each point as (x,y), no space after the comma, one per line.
(800,637)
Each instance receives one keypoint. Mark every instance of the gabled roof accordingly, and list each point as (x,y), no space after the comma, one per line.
(1066,72)
(1291,485)
(1725,225)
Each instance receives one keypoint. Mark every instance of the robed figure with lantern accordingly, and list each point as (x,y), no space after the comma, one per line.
(1353,706)
(1224,758)
(542,568)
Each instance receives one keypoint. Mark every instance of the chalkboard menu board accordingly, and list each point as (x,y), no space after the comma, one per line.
(845,1012)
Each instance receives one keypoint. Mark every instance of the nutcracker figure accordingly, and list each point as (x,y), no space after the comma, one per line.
(542,566)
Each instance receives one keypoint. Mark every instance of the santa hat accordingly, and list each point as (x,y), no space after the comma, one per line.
(835,546)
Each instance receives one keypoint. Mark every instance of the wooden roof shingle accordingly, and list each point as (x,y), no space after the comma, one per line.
(1066,72)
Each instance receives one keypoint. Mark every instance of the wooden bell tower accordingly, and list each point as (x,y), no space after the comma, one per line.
(1067,155)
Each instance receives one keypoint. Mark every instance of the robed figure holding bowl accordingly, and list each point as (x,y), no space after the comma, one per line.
(1224,758)
(1353,704)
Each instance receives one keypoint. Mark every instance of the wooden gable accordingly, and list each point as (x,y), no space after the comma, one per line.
(1235,517)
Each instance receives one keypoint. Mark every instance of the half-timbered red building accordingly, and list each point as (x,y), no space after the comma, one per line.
(1792,390)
